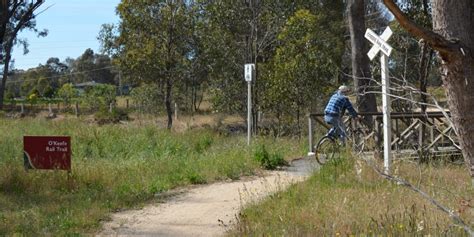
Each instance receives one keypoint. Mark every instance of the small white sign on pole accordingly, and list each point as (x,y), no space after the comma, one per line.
(249,73)
(380,44)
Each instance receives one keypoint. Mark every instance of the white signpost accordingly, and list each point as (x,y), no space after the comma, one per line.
(380,44)
(249,74)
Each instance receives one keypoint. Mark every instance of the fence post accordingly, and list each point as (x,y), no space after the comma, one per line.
(175,111)
(432,133)
(22,108)
(310,135)
(50,108)
(397,134)
(378,140)
(127,103)
(76,110)
(111,107)
(421,134)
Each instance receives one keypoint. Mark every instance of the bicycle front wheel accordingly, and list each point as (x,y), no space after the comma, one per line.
(325,150)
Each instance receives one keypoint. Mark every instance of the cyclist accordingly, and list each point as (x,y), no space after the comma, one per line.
(334,111)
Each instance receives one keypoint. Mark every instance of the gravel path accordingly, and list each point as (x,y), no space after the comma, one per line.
(206,210)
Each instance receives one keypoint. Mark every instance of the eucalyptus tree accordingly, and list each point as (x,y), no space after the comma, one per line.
(41,79)
(83,66)
(360,62)
(92,67)
(224,42)
(240,32)
(306,64)
(453,37)
(152,44)
(15,16)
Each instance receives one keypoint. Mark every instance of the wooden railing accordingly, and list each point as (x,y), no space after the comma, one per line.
(421,133)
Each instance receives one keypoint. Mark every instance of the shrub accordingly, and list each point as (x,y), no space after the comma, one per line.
(67,92)
(267,160)
(100,96)
(48,92)
(203,144)
(9,95)
(33,96)
(148,98)
(104,116)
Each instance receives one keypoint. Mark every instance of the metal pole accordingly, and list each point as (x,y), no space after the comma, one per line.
(310,135)
(249,111)
(387,138)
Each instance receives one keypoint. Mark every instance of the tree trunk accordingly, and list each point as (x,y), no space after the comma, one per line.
(455,22)
(2,92)
(23,13)
(5,73)
(425,62)
(360,62)
(169,109)
(454,40)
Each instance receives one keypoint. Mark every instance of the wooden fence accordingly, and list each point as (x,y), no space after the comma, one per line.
(428,133)
(57,107)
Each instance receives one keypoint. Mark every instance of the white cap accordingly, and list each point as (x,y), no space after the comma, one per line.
(344,89)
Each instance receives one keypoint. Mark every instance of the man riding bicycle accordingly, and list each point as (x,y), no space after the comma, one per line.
(334,111)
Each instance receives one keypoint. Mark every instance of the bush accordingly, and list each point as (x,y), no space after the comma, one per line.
(104,116)
(148,98)
(9,95)
(48,92)
(267,160)
(33,96)
(100,96)
(67,92)
(203,144)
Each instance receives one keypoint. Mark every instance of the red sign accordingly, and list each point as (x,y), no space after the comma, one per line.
(41,152)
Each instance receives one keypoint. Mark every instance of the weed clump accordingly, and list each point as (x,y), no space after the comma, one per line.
(105,117)
(270,161)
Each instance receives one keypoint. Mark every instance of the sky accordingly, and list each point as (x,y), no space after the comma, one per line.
(73,27)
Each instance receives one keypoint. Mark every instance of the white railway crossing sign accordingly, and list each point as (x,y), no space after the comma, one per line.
(380,44)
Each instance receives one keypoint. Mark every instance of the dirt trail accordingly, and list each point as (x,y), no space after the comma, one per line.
(207,210)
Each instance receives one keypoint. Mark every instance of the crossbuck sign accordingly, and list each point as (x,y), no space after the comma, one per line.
(380,44)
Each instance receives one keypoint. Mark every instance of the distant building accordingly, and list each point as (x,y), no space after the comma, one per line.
(81,87)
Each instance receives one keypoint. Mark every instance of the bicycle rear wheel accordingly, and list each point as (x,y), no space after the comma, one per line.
(325,150)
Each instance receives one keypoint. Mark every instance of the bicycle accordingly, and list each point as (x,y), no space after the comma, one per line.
(329,147)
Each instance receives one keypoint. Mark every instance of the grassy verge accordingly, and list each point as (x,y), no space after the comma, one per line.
(114,167)
(335,202)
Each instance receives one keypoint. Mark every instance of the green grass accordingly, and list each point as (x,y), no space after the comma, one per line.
(113,167)
(335,202)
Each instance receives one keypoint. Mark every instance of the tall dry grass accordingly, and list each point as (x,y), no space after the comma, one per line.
(114,167)
(336,202)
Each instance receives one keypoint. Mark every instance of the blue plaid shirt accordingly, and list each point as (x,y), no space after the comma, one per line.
(338,104)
